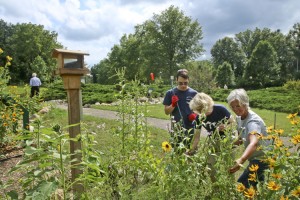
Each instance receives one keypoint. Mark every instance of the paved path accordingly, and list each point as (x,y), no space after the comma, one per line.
(159,123)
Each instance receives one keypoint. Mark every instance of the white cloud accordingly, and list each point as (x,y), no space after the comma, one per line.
(94,26)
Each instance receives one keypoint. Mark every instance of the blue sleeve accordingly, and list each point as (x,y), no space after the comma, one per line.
(168,98)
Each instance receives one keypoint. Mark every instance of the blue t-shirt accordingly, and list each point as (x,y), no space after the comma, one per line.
(183,110)
(219,115)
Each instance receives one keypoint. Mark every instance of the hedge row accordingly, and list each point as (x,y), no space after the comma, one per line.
(92,93)
(280,99)
(277,99)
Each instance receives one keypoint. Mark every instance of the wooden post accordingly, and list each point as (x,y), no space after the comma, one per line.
(72,85)
(71,68)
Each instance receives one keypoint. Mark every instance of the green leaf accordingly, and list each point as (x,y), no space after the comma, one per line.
(47,188)
(29,150)
(13,194)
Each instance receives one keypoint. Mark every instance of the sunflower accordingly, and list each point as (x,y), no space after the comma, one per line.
(273,186)
(279,131)
(240,187)
(276,176)
(296,192)
(253,168)
(252,177)
(166,146)
(291,116)
(283,198)
(296,139)
(278,142)
(250,192)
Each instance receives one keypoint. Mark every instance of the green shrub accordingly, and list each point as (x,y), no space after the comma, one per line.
(292,85)
(279,99)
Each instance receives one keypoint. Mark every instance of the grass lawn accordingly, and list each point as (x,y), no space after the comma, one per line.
(104,129)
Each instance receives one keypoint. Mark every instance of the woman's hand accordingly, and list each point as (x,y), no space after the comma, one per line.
(236,167)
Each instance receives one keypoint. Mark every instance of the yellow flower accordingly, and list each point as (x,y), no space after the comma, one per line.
(279,131)
(5,124)
(250,193)
(296,192)
(269,129)
(166,146)
(14,114)
(1,51)
(295,139)
(277,176)
(252,177)
(294,122)
(278,142)
(291,116)
(240,187)
(8,58)
(253,168)
(271,162)
(14,119)
(253,133)
(283,198)
(273,186)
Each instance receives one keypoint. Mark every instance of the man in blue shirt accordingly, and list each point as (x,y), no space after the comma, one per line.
(176,104)
(35,84)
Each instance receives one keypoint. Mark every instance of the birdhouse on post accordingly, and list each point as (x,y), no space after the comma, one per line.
(70,66)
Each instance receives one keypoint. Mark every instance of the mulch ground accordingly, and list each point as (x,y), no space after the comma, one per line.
(9,157)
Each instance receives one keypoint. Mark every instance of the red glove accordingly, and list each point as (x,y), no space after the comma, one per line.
(192,117)
(174,100)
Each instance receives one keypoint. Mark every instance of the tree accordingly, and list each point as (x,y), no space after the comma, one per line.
(5,33)
(39,66)
(29,43)
(201,75)
(102,73)
(158,46)
(225,75)
(176,38)
(262,69)
(227,50)
(248,41)
(294,37)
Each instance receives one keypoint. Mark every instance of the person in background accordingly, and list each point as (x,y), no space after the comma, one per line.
(214,118)
(176,102)
(250,128)
(35,84)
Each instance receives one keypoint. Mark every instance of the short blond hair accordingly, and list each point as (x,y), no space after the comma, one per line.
(201,103)
(33,74)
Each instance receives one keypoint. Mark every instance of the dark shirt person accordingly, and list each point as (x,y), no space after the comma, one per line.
(35,84)
(214,118)
(176,104)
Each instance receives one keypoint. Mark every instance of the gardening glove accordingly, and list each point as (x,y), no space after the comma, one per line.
(174,100)
(192,117)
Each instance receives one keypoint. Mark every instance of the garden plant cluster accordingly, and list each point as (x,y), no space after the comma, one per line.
(134,168)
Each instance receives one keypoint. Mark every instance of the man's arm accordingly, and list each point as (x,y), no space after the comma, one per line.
(169,109)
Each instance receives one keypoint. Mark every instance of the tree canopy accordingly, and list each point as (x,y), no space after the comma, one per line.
(159,45)
(29,45)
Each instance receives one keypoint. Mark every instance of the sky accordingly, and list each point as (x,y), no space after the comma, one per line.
(95,26)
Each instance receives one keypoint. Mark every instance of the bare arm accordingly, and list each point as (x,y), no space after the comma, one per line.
(196,139)
(229,123)
(169,109)
(247,153)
